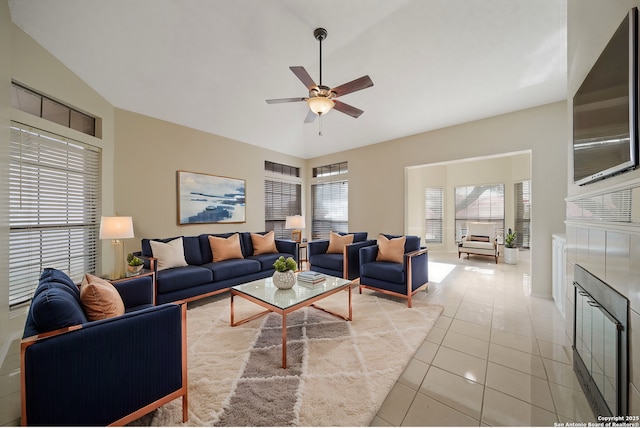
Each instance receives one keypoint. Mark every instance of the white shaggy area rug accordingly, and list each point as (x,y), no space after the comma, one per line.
(339,372)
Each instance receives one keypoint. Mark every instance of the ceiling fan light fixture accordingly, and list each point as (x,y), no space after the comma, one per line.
(320,105)
(320,99)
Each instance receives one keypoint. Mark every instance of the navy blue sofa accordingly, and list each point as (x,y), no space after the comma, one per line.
(344,265)
(203,277)
(396,279)
(111,371)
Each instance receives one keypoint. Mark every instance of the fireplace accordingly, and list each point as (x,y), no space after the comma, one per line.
(600,344)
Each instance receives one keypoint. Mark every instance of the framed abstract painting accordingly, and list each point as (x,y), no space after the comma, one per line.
(206,198)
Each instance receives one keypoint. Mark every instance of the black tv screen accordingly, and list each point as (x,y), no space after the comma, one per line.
(605,109)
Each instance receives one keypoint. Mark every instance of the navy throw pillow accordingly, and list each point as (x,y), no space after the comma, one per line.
(55,307)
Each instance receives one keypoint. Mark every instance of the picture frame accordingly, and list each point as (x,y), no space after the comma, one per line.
(296,235)
(207,198)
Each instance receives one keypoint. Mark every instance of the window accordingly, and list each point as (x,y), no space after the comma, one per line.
(278,168)
(329,170)
(330,200)
(433,215)
(479,203)
(522,192)
(330,209)
(39,105)
(281,198)
(54,208)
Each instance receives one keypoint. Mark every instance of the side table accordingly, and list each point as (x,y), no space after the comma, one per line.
(143,272)
(302,246)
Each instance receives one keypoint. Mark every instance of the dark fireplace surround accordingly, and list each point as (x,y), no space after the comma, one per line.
(601,344)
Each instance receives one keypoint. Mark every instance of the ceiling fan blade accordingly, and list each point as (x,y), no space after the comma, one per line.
(284,100)
(311,116)
(354,85)
(304,77)
(347,109)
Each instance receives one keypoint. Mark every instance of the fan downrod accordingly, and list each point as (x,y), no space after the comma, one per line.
(322,94)
(320,34)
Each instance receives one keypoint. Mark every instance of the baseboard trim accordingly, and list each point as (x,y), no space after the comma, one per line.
(4,350)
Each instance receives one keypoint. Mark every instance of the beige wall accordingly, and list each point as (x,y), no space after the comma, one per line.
(148,154)
(417,179)
(141,156)
(9,382)
(150,151)
(507,170)
(34,67)
(377,173)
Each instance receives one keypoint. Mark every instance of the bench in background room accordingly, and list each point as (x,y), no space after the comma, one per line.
(481,239)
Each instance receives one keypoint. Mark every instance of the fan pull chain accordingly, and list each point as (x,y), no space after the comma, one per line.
(320,125)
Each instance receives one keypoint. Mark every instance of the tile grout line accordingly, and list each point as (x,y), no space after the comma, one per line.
(431,365)
(544,366)
(464,294)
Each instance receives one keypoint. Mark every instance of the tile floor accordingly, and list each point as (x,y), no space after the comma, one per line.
(496,356)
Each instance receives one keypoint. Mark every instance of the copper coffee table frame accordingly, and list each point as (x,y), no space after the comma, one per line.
(263,289)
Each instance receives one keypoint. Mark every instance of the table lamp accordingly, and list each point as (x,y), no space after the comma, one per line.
(295,222)
(116,228)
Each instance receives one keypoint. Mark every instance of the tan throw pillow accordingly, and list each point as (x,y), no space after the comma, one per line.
(479,238)
(391,250)
(169,255)
(225,248)
(337,242)
(100,299)
(264,244)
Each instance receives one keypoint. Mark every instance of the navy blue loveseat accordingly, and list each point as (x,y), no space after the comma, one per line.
(203,277)
(112,371)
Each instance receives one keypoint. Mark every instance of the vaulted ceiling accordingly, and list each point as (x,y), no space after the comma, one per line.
(210,64)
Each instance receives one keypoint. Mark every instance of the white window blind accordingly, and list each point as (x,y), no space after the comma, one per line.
(54,208)
(479,203)
(522,193)
(433,215)
(281,199)
(330,208)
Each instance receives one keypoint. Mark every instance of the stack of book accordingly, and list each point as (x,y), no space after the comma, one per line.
(310,277)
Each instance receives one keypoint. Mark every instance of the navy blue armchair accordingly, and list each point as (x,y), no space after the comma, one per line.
(343,265)
(106,372)
(392,278)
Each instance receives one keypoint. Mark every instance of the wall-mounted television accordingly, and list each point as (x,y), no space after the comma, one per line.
(605,117)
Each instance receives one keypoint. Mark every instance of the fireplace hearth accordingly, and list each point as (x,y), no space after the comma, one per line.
(600,344)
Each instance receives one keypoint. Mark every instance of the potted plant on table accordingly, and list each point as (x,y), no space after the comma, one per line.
(510,250)
(284,276)
(134,264)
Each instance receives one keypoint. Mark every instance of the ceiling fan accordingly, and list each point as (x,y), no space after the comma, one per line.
(321,98)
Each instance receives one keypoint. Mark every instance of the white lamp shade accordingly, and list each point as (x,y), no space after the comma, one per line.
(320,105)
(116,228)
(294,222)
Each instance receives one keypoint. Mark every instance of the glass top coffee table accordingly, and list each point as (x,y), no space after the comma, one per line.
(262,292)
